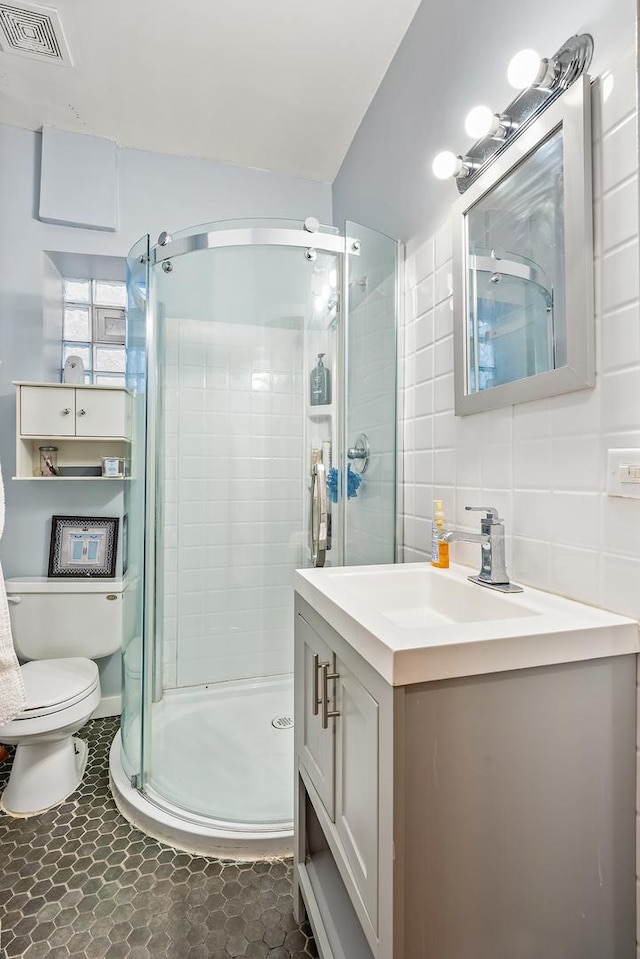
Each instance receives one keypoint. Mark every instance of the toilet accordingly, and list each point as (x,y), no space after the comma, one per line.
(59,628)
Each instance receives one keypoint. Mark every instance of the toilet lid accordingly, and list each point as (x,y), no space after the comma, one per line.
(54,684)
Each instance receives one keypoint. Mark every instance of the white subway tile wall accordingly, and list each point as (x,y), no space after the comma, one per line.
(543,464)
(232,502)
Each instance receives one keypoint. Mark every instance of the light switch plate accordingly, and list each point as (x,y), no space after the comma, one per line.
(623,473)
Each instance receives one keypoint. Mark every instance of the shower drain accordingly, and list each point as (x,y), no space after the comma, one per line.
(282,722)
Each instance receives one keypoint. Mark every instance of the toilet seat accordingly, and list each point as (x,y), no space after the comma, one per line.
(52,685)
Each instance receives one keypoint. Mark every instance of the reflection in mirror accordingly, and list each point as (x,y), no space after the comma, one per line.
(523,266)
(516,273)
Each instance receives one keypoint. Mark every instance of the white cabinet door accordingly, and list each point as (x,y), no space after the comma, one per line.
(101,412)
(47,411)
(317,749)
(357,784)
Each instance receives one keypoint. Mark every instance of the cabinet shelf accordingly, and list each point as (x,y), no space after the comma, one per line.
(85,423)
(341,926)
(72,479)
(73,439)
(67,386)
(320,412)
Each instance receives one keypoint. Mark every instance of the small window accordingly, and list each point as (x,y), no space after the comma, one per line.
(94,328)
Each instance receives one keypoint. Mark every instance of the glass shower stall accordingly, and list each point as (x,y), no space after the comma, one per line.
(261,359)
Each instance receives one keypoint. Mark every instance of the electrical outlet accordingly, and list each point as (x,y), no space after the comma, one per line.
(623,473)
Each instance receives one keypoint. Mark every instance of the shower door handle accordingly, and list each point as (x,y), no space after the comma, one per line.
(318,514)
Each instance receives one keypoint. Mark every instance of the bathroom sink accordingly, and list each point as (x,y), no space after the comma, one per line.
(411,596)
(414,622)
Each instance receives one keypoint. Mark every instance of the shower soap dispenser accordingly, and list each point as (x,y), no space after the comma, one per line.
(320,384)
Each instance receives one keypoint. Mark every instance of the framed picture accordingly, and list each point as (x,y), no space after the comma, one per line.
(109,324)
(83,546)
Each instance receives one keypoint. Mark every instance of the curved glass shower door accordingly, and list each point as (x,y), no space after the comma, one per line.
(238,332)
(370,411)
(261,361)
(133,536)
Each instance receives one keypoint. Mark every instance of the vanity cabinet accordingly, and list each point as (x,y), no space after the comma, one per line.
(85,423)
(487,816)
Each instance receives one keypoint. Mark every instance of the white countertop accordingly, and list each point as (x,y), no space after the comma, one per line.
(415,623)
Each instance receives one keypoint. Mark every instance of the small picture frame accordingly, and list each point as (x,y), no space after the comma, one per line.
(83,546)
(109,324)
(113,467)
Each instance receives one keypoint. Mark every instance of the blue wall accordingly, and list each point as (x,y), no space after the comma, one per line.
(156,192)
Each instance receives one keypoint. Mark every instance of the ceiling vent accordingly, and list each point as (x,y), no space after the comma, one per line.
(30,30)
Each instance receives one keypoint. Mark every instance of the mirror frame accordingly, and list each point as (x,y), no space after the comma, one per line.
(572,112)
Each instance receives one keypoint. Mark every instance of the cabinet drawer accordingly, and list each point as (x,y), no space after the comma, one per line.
(47,411)
(101,413)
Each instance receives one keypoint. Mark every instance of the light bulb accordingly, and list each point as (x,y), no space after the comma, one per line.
(523,69)
(446,164)
(480,122)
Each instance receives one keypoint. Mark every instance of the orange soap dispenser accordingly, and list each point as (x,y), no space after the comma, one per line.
(439,548)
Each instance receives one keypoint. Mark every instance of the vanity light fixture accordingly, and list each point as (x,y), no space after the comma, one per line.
(447,164)
(483,122)
(525,68)
(540,81)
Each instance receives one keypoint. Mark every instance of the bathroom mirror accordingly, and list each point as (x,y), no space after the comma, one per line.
(523,266)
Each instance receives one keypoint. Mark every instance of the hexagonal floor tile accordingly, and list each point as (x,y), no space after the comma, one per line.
(80,881)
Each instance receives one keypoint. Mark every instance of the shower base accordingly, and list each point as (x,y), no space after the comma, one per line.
(224,747)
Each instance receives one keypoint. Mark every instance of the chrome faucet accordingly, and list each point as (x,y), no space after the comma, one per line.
(493,572)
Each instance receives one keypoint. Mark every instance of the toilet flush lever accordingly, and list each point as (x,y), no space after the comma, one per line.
(14,599)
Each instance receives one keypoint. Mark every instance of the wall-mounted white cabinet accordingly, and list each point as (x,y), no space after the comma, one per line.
(84,422)
(72,411)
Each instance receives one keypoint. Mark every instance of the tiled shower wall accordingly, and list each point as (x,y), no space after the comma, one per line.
(233,431)
(543,464)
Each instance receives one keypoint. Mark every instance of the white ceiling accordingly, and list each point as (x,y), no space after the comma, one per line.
(280,85)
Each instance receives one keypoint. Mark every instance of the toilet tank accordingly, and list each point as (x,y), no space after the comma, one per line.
(53,618)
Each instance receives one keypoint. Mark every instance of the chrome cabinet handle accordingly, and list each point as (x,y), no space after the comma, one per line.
(318,514)
(327,713)
(82,412)
(66,411)
(315,685)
